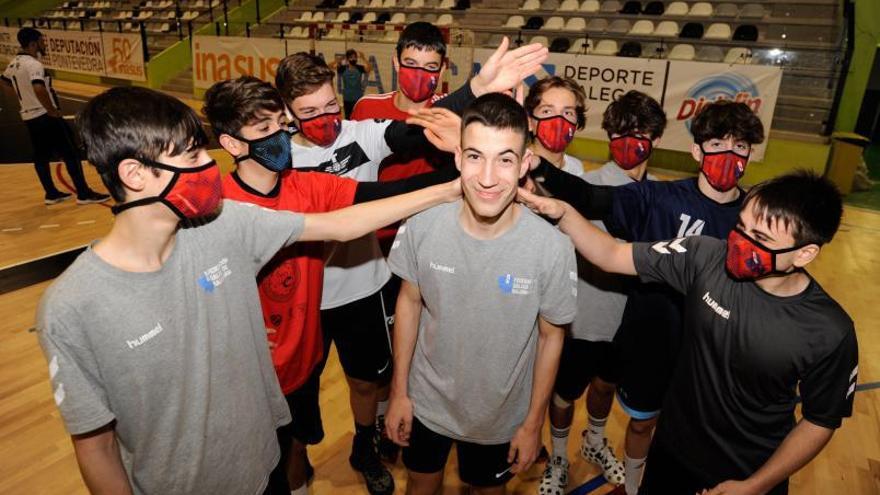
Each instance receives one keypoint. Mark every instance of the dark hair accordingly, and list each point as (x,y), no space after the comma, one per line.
(28,35)
(498,111)
(539,88)
(350,52)
(807,204)
(138,123)
(724,118)
(235,103)
(423,36)
(300,74)
(634,112)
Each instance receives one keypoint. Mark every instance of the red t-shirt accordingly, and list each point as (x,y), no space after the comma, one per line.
(382,107)
(291,283)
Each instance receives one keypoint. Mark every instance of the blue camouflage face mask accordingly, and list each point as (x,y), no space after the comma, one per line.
(272,151)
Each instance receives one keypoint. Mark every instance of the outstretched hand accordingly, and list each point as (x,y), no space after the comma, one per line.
(442,127)
(548,207)
(505,68)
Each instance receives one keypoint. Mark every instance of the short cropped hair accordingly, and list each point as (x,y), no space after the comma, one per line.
(498,111)
(301,74)
(808,205)
(138,123)
(28,35)
(235,103)
(539,88)
(724,118)
(634,112)
(422,36)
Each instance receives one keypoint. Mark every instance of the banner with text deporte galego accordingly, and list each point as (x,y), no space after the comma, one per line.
(694,84)
(118,55)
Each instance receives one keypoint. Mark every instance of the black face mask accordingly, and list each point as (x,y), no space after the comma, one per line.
(272,151)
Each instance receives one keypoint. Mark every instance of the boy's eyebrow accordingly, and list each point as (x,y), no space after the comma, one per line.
(509,151)
(473,149)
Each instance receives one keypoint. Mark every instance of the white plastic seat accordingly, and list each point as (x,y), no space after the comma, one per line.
(682,52)
(531,5)
(550,5)
(568,6)
(666,29)
(306,16)
(343,17)
(444,20)
(590,6)
(605,47)
(398,18)
(717,31)
(350,4)
(709,54)
(726,10)
(540,39)
(416,4)
(369,17)
(676,8)
(597,25)
(642,28)
(752,11)
(619,26)
(391,36)
(389,4)
(515,21)
(576,24)
(335,34)
(555,23)
(738,55)
(577,46)
(375,4)
(700,9)
(318,16)
(610,6)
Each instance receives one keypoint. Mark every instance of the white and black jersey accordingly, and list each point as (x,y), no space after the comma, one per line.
(745,355)
(23,72)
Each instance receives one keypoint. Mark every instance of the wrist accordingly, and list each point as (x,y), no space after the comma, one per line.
(477,87)
(532,425)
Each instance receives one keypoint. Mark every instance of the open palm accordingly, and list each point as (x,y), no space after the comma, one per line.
(505,69)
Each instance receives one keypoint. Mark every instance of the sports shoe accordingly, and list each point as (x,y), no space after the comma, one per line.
(56,197)
(388,450)
(365,460)
(555,477)
(604,457)
(92,197)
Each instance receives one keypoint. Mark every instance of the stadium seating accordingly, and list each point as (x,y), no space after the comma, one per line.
(682,52)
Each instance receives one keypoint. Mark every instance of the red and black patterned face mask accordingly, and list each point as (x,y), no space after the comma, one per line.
(748,259)
(321,129)
(417,83)
(192,193)
(629,150)
(554,133)
(723,168)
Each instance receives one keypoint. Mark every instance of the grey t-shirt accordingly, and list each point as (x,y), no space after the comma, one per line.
(177,357)
(601,296)
(472,368)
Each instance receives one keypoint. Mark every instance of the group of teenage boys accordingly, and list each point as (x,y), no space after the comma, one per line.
(480,319)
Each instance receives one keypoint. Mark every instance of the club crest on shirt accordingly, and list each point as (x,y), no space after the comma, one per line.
(510,284)
(345,159)
(213,277)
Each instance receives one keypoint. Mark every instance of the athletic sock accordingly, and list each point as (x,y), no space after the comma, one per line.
(595,431)
(363,437)
(633,471)
(303,490)
(559,441)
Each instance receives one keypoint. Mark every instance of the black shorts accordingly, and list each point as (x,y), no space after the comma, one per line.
(361,331)
(666,475)
(478,465)
(306,426)
(649,340)
(580,362)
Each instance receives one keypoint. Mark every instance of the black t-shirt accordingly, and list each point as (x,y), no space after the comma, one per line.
(745,353)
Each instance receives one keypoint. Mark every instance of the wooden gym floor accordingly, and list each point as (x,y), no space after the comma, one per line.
(36,454)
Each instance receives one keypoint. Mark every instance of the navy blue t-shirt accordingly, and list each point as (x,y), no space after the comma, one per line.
(657,210)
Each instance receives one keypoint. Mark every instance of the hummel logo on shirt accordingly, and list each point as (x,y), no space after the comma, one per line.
(442,268)
(143,339)
(663,247)
(724,313)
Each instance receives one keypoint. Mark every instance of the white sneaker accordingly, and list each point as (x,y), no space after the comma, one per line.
(603,457)
(555,477)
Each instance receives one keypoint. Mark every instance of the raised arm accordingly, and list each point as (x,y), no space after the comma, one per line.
(398,421)
(358,220)
(371,191)
(527,440)
(592,243)
(591,201)
(97,454)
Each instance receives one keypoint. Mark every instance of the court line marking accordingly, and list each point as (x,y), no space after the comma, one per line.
(70,189)
(600,481)
(50,225)
(85,222)
(12,229)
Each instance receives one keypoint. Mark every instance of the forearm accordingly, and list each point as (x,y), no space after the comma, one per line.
(550,341)
(459,99)
(407,140)
(371,191)
(596,246)
(406,331)
(101,465)
(800,446)
(44,98)
(358,220)
(591,201)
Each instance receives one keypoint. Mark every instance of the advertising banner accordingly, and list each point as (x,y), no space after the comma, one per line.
(216,58)
(124,56)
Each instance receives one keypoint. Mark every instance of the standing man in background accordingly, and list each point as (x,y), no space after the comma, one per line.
(26,79)
(352,77)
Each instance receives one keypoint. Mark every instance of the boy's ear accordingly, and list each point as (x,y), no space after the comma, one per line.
(526,163)
(133,175)
(697,152)
(394,64)
(232,146)
(805,255)
(458,157)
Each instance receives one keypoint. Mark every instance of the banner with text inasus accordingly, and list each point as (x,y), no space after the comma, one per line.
(694,84)
(217,58)
(118,55)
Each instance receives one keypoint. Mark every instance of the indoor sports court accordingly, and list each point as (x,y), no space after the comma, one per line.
(809,71)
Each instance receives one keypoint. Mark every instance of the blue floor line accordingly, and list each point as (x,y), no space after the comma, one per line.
(589,486)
